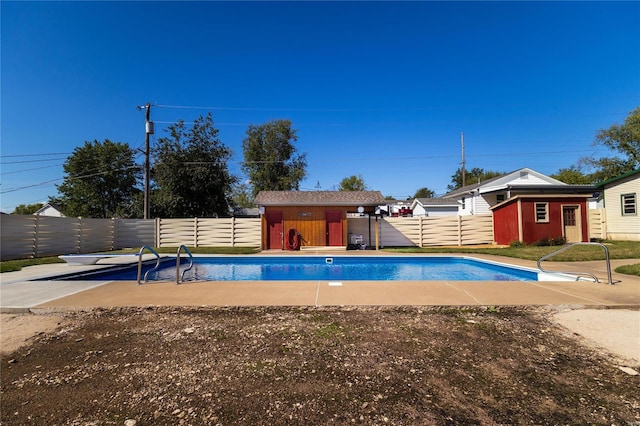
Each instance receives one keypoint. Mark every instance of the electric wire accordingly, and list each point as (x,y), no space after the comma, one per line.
(71,178)
(32,161)
(34,155)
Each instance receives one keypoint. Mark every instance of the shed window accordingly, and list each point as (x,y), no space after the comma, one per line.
(628,202)
(542,212)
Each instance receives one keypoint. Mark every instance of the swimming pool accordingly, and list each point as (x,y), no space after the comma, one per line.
(334,268)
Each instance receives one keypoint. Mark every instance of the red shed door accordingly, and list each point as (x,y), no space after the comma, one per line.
(334,228)
(274,229)
(572,223)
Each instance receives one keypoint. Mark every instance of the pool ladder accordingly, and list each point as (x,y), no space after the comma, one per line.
(180,278)
(142,249)
(606,253)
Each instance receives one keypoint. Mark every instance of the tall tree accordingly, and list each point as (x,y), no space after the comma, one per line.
(190,172)
(27,208)
(622,139)
(572,176)
(472,176)
(241,196)
(100,181)
(270,157)
(352,183)
(424,193)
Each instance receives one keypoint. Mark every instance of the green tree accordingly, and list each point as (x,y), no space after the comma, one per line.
(472,176)
(27,208)
(572,176)
(241,195)
(100,181)
(190,172)
(623,140)
(270,158)
(424,193)
(352,183)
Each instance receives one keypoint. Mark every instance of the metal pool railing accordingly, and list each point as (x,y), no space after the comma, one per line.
(186,250)
(140,262)
(565,248)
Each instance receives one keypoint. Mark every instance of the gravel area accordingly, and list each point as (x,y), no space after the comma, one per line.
(288,365)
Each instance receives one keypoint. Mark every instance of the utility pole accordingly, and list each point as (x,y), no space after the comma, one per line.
(149,130)
(463,165)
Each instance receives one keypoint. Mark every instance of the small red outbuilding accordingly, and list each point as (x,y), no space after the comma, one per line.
(531,218)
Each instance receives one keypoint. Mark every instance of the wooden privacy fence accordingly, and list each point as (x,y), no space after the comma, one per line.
(597,224)
(37,236)
(425,231)
(24,236)
(209,232)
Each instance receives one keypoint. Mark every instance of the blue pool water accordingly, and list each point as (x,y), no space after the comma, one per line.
(336,268)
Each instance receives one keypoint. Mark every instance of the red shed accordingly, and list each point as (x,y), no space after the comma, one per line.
(531,218)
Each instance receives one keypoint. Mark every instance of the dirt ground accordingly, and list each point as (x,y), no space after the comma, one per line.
(280,365)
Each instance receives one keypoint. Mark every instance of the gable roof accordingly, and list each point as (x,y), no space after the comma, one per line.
(45,207)
(436,201)
(522,179)
(617,178)
(319,198)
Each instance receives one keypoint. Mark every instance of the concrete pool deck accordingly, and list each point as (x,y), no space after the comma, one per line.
(19,293)
(606,316)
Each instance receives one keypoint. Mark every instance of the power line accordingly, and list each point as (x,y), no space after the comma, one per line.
(71,178)
(35,155)
(32,161)
(30,170)
(298,109)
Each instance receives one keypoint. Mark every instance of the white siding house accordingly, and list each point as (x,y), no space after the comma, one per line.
(48,210)
(622,206)
(477,199)
(431,207)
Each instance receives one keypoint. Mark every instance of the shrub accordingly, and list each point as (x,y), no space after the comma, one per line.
(547,241)
(516,244)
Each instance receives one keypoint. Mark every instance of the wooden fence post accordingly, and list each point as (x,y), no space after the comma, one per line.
(233,231)
(36,224)
(195,231)
(158,229)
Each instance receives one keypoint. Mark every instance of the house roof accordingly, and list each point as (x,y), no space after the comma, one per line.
(319,198)
(47,206)
(435,202)
(538,196)
(617,178)
(524,179)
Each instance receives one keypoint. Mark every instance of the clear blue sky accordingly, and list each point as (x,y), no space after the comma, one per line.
(378,89)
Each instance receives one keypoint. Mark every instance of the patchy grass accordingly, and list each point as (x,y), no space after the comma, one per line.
(629,269)
(202,250)
(16,265)
(617,250)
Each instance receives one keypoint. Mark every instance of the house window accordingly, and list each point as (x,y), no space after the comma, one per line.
(500,198)
(542,212)
(464,203)
(628,202)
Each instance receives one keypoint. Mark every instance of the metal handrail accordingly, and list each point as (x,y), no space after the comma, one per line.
(140,262)
(178,277)
(567,247)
